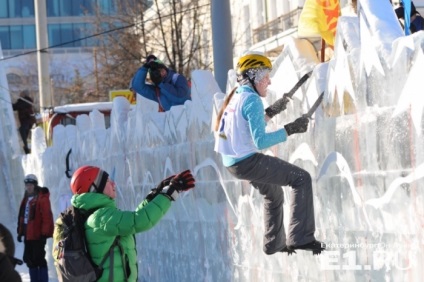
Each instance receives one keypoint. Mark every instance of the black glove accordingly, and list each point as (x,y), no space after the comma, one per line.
(300,125)
(19,238)
(148,59)
(183,181)
(277,107)
(159,188)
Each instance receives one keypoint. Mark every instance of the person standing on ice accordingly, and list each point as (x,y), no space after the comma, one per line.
(24,107)
(94,193)
(168,89)
(35,225)
(241,134)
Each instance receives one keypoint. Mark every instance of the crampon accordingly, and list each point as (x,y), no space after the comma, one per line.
(315,246)
(288,251)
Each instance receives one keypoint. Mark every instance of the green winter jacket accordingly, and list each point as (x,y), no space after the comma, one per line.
(107,222)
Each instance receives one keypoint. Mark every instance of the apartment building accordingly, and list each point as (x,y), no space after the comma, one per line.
(68,23)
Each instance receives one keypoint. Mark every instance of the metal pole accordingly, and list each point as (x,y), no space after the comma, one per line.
(221,41)
(42,55)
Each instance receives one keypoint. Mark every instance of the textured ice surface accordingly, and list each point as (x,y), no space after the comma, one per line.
(363,150)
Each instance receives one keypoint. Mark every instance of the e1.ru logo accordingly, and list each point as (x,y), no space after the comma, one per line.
(347,260)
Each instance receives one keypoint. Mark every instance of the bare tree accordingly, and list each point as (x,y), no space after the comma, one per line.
(179,27)
(174,32)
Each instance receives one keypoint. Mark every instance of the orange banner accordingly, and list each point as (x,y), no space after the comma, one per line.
(319,18)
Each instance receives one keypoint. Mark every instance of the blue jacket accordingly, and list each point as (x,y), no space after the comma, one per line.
(174,89)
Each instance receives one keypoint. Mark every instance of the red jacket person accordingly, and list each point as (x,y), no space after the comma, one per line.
(35,225)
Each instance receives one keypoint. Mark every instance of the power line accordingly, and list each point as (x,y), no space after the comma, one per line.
(65,43)
(98,34)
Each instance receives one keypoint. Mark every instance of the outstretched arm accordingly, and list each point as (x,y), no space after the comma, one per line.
(115,222)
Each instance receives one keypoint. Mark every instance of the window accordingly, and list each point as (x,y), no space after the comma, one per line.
(107,6)
(54,34)
(3,9)
(14,9)
(52,7)
(4,37)
(78,33)
(16,38)
(29,37)
(68,120)
(71,34)
(87,7)
(27,8)
(66,35)
(90,29)
(82,7)
(65,8)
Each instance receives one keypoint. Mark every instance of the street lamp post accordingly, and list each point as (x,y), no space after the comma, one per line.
(221,41)
(42,55)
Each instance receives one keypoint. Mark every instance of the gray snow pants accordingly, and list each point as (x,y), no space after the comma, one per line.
(268,174)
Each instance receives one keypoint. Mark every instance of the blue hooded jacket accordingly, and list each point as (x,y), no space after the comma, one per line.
(173,90)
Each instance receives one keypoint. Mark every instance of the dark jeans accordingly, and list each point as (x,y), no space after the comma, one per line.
(268,174)
(24,130)
(35,253)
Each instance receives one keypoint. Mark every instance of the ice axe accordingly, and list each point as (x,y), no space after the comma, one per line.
(297,85)
(314,106)
(68,170)
(280,104)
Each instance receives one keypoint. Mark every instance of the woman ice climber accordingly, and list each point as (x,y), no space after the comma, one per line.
(240,127)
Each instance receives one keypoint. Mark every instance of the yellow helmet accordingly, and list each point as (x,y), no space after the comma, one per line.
(252,61)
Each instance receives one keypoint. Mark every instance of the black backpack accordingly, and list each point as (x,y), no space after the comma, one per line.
(73,261)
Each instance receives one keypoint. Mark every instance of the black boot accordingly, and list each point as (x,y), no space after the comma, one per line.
(315,246)
(27,150)
(285,249)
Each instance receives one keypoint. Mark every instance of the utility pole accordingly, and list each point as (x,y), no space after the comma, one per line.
(221,41)
(42,55)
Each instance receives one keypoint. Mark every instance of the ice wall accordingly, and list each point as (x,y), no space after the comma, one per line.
(363,150)
(11,172)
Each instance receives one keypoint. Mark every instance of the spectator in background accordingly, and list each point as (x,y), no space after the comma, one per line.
(168,89)
(35,224)
(7,259)
(24,107)
(416,21)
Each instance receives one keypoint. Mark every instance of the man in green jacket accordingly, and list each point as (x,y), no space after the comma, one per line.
(95,192)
